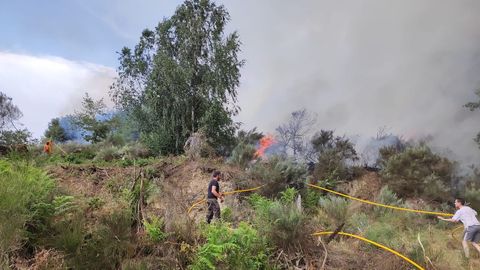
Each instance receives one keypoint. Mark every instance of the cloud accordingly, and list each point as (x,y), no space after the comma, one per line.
(409,65)
(44,87)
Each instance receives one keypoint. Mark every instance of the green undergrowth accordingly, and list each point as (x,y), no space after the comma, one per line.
(23,188)
(242,247)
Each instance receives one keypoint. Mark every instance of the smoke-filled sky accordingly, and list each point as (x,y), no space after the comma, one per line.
(359,64)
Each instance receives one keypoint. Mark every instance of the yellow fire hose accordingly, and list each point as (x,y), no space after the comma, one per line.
(380,204)
(225,193)
(348,234)
(454,230)
(375,244)
(61,149)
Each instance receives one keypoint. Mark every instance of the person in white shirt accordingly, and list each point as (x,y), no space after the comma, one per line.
(468,217)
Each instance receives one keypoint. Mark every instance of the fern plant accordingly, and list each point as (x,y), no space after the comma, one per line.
(240,248)
(154,229)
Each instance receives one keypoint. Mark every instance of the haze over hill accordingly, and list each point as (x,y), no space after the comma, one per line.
(359,65)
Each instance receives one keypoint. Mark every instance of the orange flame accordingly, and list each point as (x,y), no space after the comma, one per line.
(265,143)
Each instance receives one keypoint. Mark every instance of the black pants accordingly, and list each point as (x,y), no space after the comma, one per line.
(213,209)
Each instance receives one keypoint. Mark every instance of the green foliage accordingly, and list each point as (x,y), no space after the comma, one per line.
(22,188)
(260,203)
(278,173)
(16,138)
(115,139)
(419,172)
(226,248)
(9,112)
(333,153)
(154,229)
(68,234)
(472,196)
(388,197)
(287,226)
(182,77)
(311,199)
(335,207)
(382,233)
(108,153)
(227,214)
(135,151)
(281,222)
(87,119)
(218,126)
(242,154)
(358,222)
(55,132)
(63,204)
(288,196)
(95,203)
(107,245)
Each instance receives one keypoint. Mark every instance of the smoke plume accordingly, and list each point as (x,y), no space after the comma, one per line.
(408,65)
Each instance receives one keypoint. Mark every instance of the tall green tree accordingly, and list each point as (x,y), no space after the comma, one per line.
(181,77)
(94,120)
(55,131)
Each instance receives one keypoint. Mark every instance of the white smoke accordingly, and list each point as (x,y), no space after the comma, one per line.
(360,65)
(44,87)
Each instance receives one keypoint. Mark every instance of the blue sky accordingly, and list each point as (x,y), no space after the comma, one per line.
(357,64)
(90,30)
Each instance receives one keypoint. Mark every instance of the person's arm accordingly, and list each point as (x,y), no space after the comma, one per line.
(219,195)
(448,219)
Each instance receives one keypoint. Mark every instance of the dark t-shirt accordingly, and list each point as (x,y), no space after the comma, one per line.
(210,185)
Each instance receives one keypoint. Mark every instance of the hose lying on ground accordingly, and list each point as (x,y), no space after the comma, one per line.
(380,204)
(375,244)
(225,193)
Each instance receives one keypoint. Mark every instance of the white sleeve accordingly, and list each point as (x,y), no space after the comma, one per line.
(457,216)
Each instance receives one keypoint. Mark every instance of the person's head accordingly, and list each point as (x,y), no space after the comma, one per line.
(459,202)
(217,175)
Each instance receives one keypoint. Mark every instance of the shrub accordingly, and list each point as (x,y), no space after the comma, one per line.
(418,171)
(289,195)
(227,214)
(68,234)
(242,154)
(135,151)
(108,244)
(383,233)
(22,187)
(472,196)
(287,230)
(226,248)
(388,197)
(335,207)
(359,221)
(115,139)
(333,154)
(282,224)
(154,229)
(278,174)
(108,154)
(86,151)
(311,199)
(95,203)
